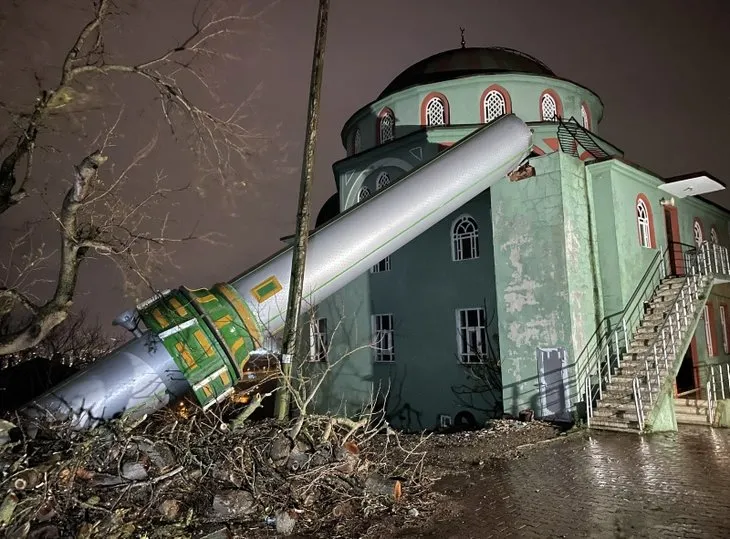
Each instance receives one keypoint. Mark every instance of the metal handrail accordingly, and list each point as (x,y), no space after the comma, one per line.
(700,266)
(650,271)
(661,337)
(721,371)
(595,363)
(638,403)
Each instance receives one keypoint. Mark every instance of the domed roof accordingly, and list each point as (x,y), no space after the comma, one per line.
(465,62)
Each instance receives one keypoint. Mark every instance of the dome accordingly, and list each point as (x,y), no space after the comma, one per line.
(465,62)
(329,210)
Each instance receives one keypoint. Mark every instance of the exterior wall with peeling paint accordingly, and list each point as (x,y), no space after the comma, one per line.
(533,295)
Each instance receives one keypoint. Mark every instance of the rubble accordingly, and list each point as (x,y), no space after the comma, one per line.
(187,476)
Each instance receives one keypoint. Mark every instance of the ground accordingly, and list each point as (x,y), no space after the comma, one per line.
(189,479)
(594,484)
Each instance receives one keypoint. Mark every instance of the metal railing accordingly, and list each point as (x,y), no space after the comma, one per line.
(718,375)
(602,354)
(706,261)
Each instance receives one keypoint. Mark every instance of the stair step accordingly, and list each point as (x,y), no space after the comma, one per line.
(617,409)
(622,386)
(616,415)
(614,425)
(671,285)
(690,402)
(692,419)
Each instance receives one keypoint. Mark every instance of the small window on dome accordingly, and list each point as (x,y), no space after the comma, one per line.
(548,108)
(495,105)
(387,126)
(382,181)
(435,112)
(363,194)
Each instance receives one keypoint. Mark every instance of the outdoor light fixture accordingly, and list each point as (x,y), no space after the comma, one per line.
(697,183)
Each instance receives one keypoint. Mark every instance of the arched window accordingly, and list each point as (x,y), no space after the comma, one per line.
(382,181)
(585,116)
(464,239)
(698,232)
(435,110)
(363,194)
(550,106)
(714,238)
(356,141)
(644,222)
(494,105)
(386,126)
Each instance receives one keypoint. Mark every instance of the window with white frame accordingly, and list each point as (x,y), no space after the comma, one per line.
(318,339)
(713,236)
(697,232)
(464,239)
(471,335)
(383,265)
(585,119)
(642,221)
(356,141)
(435,111)
(495,105)
(723,326)
(708,332)
(387,127)
(383,337)
(382,181)
(363,194)
(548,108)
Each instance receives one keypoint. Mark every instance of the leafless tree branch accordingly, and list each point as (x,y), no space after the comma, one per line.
(97,216)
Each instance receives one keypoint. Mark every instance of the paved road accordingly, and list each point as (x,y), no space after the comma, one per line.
(606,485)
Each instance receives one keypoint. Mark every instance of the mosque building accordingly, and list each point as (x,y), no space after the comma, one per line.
(546,292)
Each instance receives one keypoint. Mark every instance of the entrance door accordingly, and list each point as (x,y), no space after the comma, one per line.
(688,381)
(671,222)
(553,380)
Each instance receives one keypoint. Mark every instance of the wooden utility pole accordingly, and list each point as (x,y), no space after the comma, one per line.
(299,255)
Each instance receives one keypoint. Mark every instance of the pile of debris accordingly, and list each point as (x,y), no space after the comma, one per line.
(184,473)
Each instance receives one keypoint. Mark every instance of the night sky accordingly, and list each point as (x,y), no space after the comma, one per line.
(660,67)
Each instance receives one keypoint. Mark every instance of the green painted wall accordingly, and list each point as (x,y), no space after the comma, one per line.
(464,96)
(533,295)
(616,187)
(423,290)
(582,260)
(719,295)
(349,384)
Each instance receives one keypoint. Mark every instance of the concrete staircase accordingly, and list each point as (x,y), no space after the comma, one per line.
(691,411)
(641,370)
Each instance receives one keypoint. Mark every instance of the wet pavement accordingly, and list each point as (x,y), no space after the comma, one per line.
(601,485)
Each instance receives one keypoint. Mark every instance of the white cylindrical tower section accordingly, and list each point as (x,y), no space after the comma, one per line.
(352,243)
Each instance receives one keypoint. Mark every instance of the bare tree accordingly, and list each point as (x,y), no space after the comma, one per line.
(95,215)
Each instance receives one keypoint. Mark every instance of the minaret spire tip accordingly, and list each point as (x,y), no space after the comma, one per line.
(463,41)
